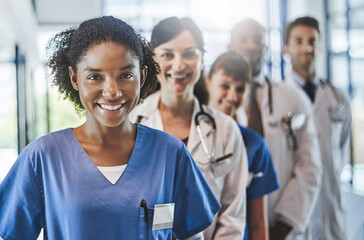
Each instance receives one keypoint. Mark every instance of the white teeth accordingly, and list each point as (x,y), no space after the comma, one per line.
(179,76)
(111,108)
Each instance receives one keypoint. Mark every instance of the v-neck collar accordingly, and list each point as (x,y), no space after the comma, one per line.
(107,193)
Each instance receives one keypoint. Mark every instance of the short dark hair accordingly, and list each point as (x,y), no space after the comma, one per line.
(170,28)
(69,47)
(233,64)
(305,21)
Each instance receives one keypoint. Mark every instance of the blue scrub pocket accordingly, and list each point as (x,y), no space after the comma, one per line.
(145,227)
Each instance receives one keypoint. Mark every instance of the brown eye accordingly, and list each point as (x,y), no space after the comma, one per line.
(94,77)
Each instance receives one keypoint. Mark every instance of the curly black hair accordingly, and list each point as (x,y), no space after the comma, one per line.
(69,47)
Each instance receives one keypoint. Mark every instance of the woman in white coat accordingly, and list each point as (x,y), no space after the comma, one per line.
(218,148)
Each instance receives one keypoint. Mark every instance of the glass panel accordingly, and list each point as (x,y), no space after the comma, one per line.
(335,6)
(357,18)
(356,3)
(338,33)
(339,72)
(8,118)
(357,79)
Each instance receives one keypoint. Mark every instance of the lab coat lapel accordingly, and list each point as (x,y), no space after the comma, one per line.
(323,94)
(150,113)
(205,126)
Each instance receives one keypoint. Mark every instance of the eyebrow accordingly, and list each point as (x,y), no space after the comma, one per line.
(90,69)
(186,49)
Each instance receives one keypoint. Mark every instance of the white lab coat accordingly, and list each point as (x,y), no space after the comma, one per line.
(299,171)
(229,188)
(332,115)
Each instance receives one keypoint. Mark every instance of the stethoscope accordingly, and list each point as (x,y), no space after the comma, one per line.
(210,156)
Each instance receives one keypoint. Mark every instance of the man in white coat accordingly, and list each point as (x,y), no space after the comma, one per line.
(284,117)
(332,116)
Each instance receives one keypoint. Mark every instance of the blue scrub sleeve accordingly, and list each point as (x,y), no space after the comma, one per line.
(268,181)
(21,210)
(195,203)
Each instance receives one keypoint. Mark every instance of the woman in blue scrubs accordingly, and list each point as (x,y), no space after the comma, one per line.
(108,178)
(225,85)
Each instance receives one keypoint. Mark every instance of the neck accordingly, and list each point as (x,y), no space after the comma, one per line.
(177,104)
(306,74)
(107,135)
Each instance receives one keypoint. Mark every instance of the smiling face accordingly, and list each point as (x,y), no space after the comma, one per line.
(248,39)
(108,80)
(181,63)
(301,47)
(225,93)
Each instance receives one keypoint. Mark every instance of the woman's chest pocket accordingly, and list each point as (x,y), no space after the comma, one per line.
(157,222)
(223,165)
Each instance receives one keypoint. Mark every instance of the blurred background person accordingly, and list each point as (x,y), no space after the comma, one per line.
(332,114)
(225,85)
(212,138)
(281,113)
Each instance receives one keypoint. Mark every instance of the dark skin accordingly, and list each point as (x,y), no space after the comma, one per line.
(108,80)
(280,231)
(256,217)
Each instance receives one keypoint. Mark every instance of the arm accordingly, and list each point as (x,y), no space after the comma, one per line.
(346,129)
(232,216)
(257,219)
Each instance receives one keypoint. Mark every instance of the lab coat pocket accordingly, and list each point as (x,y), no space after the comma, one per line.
(337,113)
(145,223)
(223,167)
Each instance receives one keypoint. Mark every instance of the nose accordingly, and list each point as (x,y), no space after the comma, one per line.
(232,96)
(111,89)
(178,63)
(308,48)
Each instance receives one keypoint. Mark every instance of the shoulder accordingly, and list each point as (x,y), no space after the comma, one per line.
(250,137)
(221,119)
(155,136)
(340,95)
(49,141)
(146,107)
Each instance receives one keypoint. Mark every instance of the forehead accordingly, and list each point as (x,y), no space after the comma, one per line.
(248,29)
(109,53)
(304,31)
(182,41)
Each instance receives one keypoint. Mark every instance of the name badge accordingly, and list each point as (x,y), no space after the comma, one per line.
(163,216)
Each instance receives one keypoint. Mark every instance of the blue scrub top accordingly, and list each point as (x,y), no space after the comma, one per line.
(54,185)
(260,164)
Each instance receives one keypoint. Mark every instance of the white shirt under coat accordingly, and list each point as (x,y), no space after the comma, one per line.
(230,186)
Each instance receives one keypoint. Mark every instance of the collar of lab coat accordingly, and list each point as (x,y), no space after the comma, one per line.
(151,112)
(300,80)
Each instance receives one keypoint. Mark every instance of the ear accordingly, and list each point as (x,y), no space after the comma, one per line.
(143,75)
(73,78)
(285,49)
